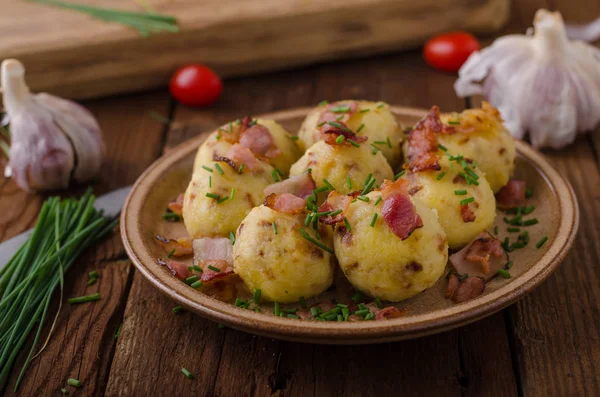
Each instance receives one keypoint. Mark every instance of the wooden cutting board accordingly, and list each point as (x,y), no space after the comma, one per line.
(74,55)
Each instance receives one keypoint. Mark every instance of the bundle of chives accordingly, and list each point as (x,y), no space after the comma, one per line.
(144,23)
(63,231)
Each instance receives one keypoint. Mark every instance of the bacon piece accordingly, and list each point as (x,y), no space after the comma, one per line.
(286,203)
(332,132)
(177,269)
(301,185)
(467,213)
(386,312)
(391,188)
(461,291)
(216,252)
(179,247)
(177,206)
(259,140)
(241,155)
(512,194)
(335,201)
(398,211)
(422,142)
(328,115)
(482,257)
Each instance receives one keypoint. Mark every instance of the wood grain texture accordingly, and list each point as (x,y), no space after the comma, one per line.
(73,55)
(83,341)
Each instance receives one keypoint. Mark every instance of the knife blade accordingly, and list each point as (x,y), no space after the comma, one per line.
(111,203)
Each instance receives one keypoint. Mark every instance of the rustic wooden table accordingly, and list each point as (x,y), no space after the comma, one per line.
(548,344)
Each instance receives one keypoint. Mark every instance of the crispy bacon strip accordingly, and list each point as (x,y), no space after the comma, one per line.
(179,247)
(398,211)
(512,194)
(422,142)
(332,131)
(482,257)
(177,206)
(259,140)
(467,213)
(301,185)
(216,252)
(237,155)
(328,115)
(286,203)
(461,291)
(335,201)
(386,312)
(177,269)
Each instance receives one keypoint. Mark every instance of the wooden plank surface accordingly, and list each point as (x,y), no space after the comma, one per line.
(83,341)
(548,344)
(70,54)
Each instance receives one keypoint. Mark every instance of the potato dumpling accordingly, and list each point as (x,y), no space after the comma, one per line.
(217,145)
(345,167)
(379,125)
(204,216)
(284,266)
(482,137)
(444,190)
(377,262)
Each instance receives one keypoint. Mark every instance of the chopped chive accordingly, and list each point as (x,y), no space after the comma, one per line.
(254,121)
(530,222)
(495,229)
(294,137)
(467,200)
(362,312)
(337,125)
(322,124)
(214,269)
(275,176)
(323,103)
(368,187)
(308,219)
(241,168)
(444,148)
(171,253)
(197,268)
(118,333)
(209,181)
(528,210)
(364,198)
(315,311)
(178,309)
(461,192)
(274,227)
(378,303)
(83,299)
(74,382)
(380,105)
(340,109)
(213,196)
(222,200)
(196,284)
(399,175)
(379,199)
(374,219)
(503,273)
(207,168)
(509,264)
(290,310)
(364,110)
(220,326)
(454,122)
(219,169)
(540,243)
(441,175)
(380,142)
(516,245)
(303,302)
(171,217)
(528,193)
(93,274)
(329,185)
(187,373)
(370,316)
(353,143)
(218,137)
(360,128)
(232,195)
(336,212)
(292,316)
(339,139)
(315,242)
(463,277)
(191,279)
(322,189)
(389,143)
(276,308)
(347,224)
(93,281)
(64,391)
(375,149)
(232,238)
(348,182)
(230,126)
(513,230)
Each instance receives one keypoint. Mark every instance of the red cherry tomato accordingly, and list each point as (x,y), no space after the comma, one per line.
(449,51)
(195,85)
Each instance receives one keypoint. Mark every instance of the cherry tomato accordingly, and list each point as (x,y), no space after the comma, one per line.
(195,85)
(449,51)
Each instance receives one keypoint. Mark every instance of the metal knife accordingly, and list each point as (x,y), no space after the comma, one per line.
(111,203)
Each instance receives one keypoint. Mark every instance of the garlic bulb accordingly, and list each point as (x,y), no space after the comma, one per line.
(543,83)
(53,140)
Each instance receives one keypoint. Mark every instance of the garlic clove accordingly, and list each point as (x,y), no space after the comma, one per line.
(53,140)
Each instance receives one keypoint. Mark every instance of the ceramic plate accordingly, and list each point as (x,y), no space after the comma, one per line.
(427,313)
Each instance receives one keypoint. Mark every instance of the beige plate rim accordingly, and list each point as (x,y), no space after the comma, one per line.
(362,332)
